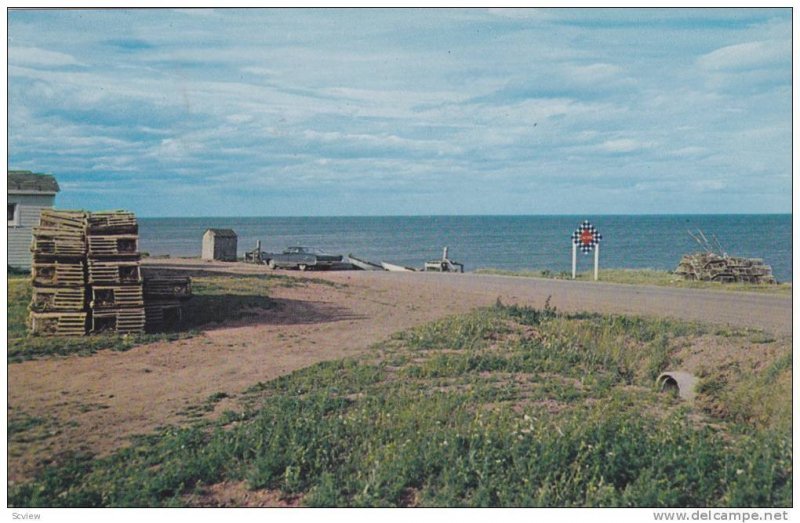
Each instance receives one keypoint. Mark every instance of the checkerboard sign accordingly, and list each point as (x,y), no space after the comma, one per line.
(586,237)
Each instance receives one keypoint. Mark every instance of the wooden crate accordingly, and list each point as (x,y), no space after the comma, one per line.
(47,299)
(116,296)
(63,220)
(167,287)
(124,321)
(161,315)
(113,245)
(58,323)
(58,273)
(58,242)
(114,272)
(111,222)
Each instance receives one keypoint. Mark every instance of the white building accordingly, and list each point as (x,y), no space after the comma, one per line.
(220,244)
(28,194)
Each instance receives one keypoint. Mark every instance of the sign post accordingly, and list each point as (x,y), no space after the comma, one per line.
(587,238)
(596,260)
(574,258)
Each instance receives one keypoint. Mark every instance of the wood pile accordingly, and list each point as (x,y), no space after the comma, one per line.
(58,306)
(708,266)
(164,296)
(113,275)
(85,274)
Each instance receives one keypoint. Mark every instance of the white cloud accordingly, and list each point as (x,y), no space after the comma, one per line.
(709,185)
(521,13)
(595,72)
(622,145)
(690,151)
(196,11)
(260,71)
(33,56)
(747,55)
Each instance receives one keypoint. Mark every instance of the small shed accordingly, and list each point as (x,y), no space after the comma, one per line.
(28,194)
(219,244)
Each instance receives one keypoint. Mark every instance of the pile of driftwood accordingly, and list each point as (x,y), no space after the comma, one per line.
(719,266)
(87,277)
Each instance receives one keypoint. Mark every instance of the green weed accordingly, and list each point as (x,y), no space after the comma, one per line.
(645,277)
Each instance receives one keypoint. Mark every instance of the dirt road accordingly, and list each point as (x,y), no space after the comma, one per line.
(98,402)
(771,313)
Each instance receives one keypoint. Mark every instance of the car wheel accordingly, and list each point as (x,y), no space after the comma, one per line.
(302,266)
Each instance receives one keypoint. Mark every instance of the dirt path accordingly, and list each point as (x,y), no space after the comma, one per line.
(98,402)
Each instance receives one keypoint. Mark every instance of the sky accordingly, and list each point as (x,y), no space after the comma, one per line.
(322,112)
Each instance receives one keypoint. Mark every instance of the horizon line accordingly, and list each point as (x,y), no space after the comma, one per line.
(474,215)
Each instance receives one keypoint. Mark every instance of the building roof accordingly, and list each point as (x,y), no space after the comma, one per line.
(27,181)
(223,233)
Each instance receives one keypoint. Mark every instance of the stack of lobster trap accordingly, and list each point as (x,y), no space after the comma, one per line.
(164,295)
(59,305)
(113,275)
(87,277)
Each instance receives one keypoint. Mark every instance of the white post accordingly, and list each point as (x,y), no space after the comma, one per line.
(574,259)
(596,260)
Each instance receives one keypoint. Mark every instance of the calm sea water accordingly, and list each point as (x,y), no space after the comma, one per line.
(502,242)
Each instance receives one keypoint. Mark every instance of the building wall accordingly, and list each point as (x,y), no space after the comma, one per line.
(225,249)
(21,234)
(208,246)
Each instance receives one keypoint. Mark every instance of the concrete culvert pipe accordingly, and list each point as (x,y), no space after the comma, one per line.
(677,382)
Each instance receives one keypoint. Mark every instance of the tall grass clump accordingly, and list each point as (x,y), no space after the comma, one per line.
(471,331)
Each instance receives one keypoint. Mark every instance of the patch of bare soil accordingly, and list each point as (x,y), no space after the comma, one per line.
(706,354)
(236,495)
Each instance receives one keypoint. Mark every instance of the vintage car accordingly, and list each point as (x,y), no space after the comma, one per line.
(302,258)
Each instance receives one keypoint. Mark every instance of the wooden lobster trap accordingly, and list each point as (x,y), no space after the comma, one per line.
(116,296)
(57,242)
(114,272)
(125,321)
(111,222)
(46,299)
(58,273)
(63,220)
(58,323)
(113,245)
(163,315)
(163,286)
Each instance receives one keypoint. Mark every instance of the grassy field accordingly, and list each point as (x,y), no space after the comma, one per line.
(506,406)
(216,299)
(645,277)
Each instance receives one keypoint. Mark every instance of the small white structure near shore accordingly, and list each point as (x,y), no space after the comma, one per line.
(28,194)
(220,244)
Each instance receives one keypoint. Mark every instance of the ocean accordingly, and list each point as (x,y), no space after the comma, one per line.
(500,242)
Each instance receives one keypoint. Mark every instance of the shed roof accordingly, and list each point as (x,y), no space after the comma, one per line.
(29,181)
(223,233)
